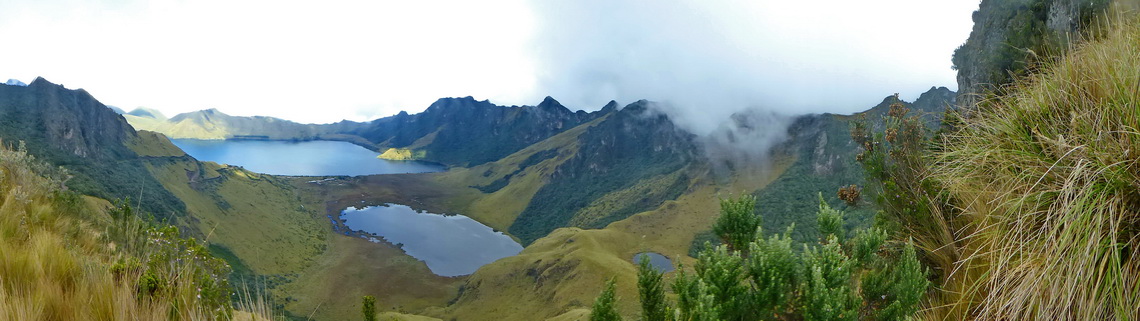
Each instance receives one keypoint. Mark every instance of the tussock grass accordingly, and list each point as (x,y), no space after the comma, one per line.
(1047,180)
(63,259)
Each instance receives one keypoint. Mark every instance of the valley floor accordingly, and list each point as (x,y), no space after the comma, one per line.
(559,274)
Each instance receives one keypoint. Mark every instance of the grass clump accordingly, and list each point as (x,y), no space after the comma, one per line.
(1047,182)
(68,257)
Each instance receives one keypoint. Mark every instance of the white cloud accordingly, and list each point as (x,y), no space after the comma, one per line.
(328,60)
(712,58)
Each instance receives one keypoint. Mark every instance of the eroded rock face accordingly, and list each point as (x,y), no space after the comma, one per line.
(635,144)
(69,120)
(71,128)
(1009,34)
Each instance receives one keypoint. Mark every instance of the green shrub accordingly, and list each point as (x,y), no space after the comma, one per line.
(738,222)
(605,306)
(768,280)
(368,307)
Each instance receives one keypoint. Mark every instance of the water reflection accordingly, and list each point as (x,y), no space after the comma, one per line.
(451,245)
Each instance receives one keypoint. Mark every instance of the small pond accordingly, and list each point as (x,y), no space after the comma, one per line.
(656,260)
(307,158)
(451,245)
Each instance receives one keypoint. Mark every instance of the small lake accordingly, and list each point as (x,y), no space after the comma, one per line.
(308,158)
(656,260)
(451,245)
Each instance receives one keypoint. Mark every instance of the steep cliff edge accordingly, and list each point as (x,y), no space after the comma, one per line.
(1010,35)
(70,128)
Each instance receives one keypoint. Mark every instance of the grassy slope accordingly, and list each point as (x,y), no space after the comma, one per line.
(561,273)
(257,217)
(278,232)
(1045,174)
(61,255)
(353,267)
(596,255)
(499,209)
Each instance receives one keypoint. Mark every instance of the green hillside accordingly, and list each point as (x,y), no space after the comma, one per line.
(73,257)
(1014,199)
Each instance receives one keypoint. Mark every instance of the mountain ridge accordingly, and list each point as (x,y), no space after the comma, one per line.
(453,131)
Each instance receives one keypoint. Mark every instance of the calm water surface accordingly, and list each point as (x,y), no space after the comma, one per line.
(311,158)
(656,260)
(451,245)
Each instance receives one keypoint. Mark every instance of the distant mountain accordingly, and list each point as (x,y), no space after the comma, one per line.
(452,131)
(584,190)
(636,149)
(15,82)
(147,113)
(466,132)
(213,124)
(825,161)
(631,181)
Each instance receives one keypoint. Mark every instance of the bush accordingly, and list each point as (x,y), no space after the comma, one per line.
(767,281)
(605,306)
(368,307)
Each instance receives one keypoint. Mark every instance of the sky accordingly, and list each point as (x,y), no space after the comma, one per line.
(323,61)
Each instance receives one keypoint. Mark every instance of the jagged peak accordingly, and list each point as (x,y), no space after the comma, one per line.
(549,101)
(40,81)
(457,102)
(935,90)
(637,106)
(610,107)
(550,104)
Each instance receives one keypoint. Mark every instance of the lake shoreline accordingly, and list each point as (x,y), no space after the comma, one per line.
(305,158)
(450,244)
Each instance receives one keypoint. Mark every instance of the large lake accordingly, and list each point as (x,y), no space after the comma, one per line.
(451,245)
(310,158)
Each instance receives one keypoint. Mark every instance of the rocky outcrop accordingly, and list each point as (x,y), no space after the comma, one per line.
(66,120)
(1010,35)
(71,128)
(825,161)
(636,144)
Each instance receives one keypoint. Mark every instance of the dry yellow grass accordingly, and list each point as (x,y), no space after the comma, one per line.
(1046,179)
(57,261)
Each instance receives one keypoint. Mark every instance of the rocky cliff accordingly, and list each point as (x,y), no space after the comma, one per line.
(637,149)
(70,128)
(1009,36)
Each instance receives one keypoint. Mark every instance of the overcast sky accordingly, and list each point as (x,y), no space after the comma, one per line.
(322,61)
